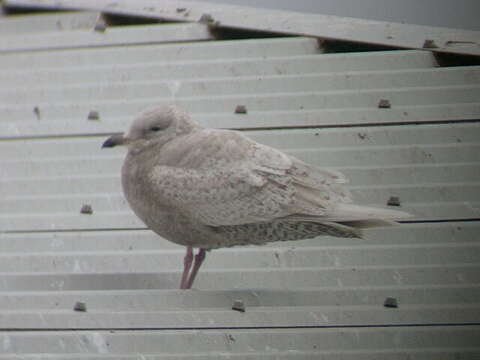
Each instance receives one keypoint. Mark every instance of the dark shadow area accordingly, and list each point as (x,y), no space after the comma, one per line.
(446,59)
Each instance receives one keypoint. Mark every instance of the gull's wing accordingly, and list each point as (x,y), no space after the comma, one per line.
(223,178)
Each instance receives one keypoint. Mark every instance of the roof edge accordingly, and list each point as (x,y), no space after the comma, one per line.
(437,39)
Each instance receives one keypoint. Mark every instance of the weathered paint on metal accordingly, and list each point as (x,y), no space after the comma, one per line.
(322,26)
(348,344)
(17,25)
(120,36)
(172,53)
(295,82)
(326,83)
(436,163)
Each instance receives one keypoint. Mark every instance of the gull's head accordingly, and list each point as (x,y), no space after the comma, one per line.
(155,125)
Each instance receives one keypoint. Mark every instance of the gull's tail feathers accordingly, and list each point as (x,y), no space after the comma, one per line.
(367,215)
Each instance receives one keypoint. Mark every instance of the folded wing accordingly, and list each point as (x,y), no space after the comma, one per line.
(228,179)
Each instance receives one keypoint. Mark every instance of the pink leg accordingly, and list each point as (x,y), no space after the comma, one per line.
(187,264)
(199,258)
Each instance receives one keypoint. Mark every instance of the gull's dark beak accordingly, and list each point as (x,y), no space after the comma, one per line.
(113,141)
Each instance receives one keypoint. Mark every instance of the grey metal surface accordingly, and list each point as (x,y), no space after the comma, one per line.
(24,25)
(345,344)
(421,165)
(283,83)
(319,298)
(322,26)
(169,53)
(120,36)
(130,281)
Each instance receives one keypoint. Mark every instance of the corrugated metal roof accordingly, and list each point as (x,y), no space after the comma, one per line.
(116,36)
(249,344)
(437,163)
(25,25)
(274,78)
(304,300)
(284,22)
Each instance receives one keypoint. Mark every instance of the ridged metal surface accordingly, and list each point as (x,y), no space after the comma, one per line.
(283,83)
(28,25)
(422,165)
(129,280)
(284,22)
(345,344)
(319,298)
(120,36)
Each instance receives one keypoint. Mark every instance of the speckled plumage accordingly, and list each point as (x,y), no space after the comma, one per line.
(210,188)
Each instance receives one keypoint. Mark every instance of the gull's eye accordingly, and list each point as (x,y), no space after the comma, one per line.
(155,128)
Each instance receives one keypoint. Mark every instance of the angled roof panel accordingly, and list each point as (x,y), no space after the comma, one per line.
(294,84)
(114,36)
(16,25)
(322,26)
(126,57)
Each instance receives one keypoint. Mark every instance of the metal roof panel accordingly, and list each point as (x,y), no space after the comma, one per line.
(350,343)
(21,24)
(151,54)
(322,297)
(286,22)
(114,36)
